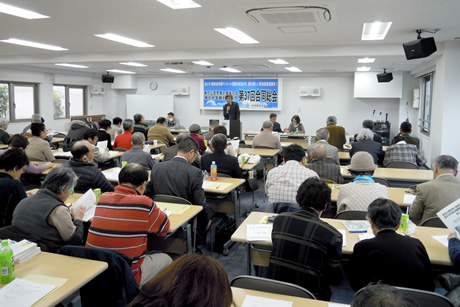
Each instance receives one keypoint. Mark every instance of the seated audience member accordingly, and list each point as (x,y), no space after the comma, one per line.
(225,164)
(124,140)
(124,218)
(229,150)
(195,131)
(4,135)
(306,250)
(45,215)
(104,135)
(382,295)
(266,138)
(137,154)
(178,178)
(365,143)
(77,129)
(295,126)
(36,118)
(357,195)
(276,125)
(92,136)
(403,152)
(116,129)
(208,135)
(160,132)
(369,124)
(283,181)
(181,284)
(89,176)
(21,142)
(172,122)
(392,258)
(451,281)
(139,124)
(12,164)
(39,149)
(322,137)
(324,167)
(405,130)
(171,151)
(337,136)
(436,194)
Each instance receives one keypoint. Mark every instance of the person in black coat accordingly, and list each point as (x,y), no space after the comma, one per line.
(365,143)
(231,109)
(103,135)
(226,164)
(276,125)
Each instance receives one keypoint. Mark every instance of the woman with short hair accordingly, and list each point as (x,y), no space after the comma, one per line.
(295,125)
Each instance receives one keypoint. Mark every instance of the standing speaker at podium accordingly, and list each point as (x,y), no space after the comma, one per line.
(231,109)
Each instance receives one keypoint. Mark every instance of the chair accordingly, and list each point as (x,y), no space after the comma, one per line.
(170,199)
(271,286)
(382,181)
(280,207)
(181,127)
(401,164)
(119,149)
(351,215)
(60,160)
(433,222)
(204,128)
(426,298)
(223,175)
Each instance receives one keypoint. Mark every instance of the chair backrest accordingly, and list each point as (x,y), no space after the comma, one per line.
(119,149)
(280,207)
(223,175)
(401,164)
(427,298)
(382,181)
(170,199)
(433,222)
(181,127)
(264,147)
(351,215)
(270,286)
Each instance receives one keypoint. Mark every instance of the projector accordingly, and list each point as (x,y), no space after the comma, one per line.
(384,77)
(108,78)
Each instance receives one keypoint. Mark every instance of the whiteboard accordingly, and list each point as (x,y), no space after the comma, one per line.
(151,106)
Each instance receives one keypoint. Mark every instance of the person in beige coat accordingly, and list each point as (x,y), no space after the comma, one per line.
(160,132)
(39,149)
(266,138)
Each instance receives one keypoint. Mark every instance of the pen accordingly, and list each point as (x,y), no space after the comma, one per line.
(218,187)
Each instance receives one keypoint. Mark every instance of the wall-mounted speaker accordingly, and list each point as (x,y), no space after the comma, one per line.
(420,48)
(108,78)
(384,77)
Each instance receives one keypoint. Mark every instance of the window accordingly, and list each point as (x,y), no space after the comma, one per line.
(426,93)
(69,100)
(18,101)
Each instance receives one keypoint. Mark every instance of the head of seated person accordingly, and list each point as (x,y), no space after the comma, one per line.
(38,130)
(13,162)
(322,134)
(181,136)
(36,118)
(117,121)
(218,142)
(138,118)
(188,149)
(138,139)
(267,125)
(18,141)
(161,121)
(195,129)
(383,214)
(294,152)
(443,164)
(220,129)
(315,194)
(319,152)
(182,284)
(362,163)
(369,124)
(382,295)
(82,151)
(128,125)
(134,176)
(91,135)
(365,134)
(60,181)
(105,124)
(405,127)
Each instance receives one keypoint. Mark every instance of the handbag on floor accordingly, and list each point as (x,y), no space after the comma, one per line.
(224,231)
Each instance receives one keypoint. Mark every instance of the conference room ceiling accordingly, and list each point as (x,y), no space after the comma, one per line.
(188,35)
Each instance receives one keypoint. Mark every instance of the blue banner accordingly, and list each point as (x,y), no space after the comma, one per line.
(250,94)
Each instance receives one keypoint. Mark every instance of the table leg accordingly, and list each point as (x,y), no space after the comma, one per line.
(249,258)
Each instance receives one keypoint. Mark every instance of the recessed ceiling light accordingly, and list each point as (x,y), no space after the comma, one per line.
(363,68)
(180,4)
(278,61)
(203,63)
(71,65)
(134,64)
(124,40)
(16,11)
(33,44)
(122,71)
(236,35)
(293,69)
(228,69)
(366,60)
(176,71)
(375,30)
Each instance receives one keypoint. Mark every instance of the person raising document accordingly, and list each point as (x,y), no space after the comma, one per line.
(231,109)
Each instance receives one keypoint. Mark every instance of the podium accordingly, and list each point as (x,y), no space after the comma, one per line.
(233,128)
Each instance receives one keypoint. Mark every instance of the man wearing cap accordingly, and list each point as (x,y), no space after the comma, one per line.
(195,131)
(160,132)
(357,195)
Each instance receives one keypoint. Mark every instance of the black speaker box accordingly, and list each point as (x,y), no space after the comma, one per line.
(420,48)
(385,77)
(107,78)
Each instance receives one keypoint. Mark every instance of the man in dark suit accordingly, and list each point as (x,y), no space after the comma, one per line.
(405,130)
(231,109)
(226,164)
(325,167)
(390,257)
(103,135)
(178,178)
(365,143)
(369,124)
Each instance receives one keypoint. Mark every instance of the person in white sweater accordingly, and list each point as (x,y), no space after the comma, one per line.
(357,195)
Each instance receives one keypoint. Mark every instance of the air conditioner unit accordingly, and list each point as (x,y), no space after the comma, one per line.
(310,91)
(97,90)
(180,91)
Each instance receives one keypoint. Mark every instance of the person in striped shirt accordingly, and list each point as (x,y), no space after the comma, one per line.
(123,220)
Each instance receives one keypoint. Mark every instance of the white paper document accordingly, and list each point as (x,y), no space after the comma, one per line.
(111,176)
(408,199)
(258,232)
(22,292)
(147,149)
(102,145)
(235,144)
(89,201)
(450,216)
(442,239)
(66,154)
(344,236)
(366,236)
(337,305)
(257,301)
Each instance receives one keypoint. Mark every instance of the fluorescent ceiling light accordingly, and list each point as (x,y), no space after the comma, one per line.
(278,61)
(363,68)
(180,4)
(177,71)
(203,63)
(375,30)
(122,71)
(32,44)
(16,11)
(124,40)
(71,65)
(134,64)
(366,60)
(228,69)
(236,35)
(293,69)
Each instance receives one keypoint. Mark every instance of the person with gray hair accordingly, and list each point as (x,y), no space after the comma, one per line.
(139,124)
(366,143)
(266,138)
(390,257)
(4,135)
(382,295)
(436,194)
(137,154)
(369,124)
(124,140)
(323,166)
(337,136)
(226,164)
(322,137)
(45,214)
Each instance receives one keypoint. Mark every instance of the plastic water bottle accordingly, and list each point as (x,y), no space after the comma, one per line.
(213,171)
(6,263)
(296,130)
